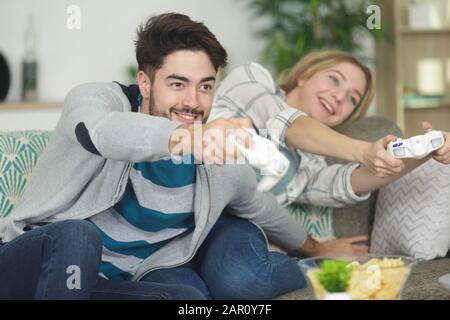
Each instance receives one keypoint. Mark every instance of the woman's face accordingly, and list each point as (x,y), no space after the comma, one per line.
(331,95)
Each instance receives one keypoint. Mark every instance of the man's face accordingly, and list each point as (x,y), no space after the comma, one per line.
(182,89)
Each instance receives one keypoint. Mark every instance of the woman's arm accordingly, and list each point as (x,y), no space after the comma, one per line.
(363,181)
(312,136)
(328,186)
(249,91)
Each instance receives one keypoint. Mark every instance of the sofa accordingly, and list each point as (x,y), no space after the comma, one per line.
(19,152)
(358,219)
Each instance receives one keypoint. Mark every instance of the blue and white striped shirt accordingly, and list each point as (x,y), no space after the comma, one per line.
(157,206)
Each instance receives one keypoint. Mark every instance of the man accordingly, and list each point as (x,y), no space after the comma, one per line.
(106,198)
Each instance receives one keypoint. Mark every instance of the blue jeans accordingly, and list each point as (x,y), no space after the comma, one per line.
(62,260)
(234,263)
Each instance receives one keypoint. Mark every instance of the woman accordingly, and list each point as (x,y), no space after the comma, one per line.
(334,88)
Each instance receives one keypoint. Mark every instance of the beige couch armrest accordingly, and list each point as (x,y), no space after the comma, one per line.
(358,219)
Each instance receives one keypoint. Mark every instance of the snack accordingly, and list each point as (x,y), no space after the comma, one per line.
(377,279)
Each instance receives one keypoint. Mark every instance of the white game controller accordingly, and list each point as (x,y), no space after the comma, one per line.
(445,281)
(266,157)
(417,147)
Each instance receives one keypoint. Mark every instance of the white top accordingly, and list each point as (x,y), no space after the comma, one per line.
(250,91)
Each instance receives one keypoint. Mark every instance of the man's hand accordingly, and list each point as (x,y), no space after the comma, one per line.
(342,246)
(378,161)
(443,154)
(208,143)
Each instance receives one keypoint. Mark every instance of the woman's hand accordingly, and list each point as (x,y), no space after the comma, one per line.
(342,246)
(443,154)
(378,161)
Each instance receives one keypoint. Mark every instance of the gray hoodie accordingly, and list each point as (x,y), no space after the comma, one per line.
(85,167)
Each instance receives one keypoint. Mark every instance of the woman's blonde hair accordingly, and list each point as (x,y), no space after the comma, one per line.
(317,61)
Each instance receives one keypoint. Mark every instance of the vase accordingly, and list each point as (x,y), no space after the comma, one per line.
(337,296)
(5,78)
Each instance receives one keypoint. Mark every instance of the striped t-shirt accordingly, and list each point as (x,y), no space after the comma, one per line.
(157,206)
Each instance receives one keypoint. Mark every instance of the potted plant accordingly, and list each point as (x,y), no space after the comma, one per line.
(132,72)
(296,27)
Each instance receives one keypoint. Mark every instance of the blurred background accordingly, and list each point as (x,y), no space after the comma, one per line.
(103,47)
(49,46)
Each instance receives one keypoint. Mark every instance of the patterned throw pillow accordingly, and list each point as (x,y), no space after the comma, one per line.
(413,214)
(19,152)
(317,221)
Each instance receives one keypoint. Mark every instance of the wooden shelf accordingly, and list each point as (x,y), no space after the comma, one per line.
(439,118)
(445,106)
(397,69)
(31,105)
(409,31)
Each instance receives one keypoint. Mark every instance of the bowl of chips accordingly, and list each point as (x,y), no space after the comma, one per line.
(357,277)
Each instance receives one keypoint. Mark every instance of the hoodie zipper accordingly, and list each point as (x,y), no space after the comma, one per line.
(197,245)
(92,213)
(124,172)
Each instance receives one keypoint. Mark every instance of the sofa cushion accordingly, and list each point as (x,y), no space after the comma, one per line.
(413,214)
(358,219)
(317,221)
(19,152)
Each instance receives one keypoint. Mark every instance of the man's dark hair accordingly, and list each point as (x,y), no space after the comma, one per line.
(170,32)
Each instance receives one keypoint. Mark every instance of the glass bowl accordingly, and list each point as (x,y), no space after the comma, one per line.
(372,277)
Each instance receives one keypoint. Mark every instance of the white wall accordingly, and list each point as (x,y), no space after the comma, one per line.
(14,120)
(103,48)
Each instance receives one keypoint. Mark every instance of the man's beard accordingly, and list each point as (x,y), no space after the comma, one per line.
(154,111)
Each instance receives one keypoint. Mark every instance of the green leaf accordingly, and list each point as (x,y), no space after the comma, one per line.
(313,6)
(132,72)
(300,45)
(290,27)
(334,275)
